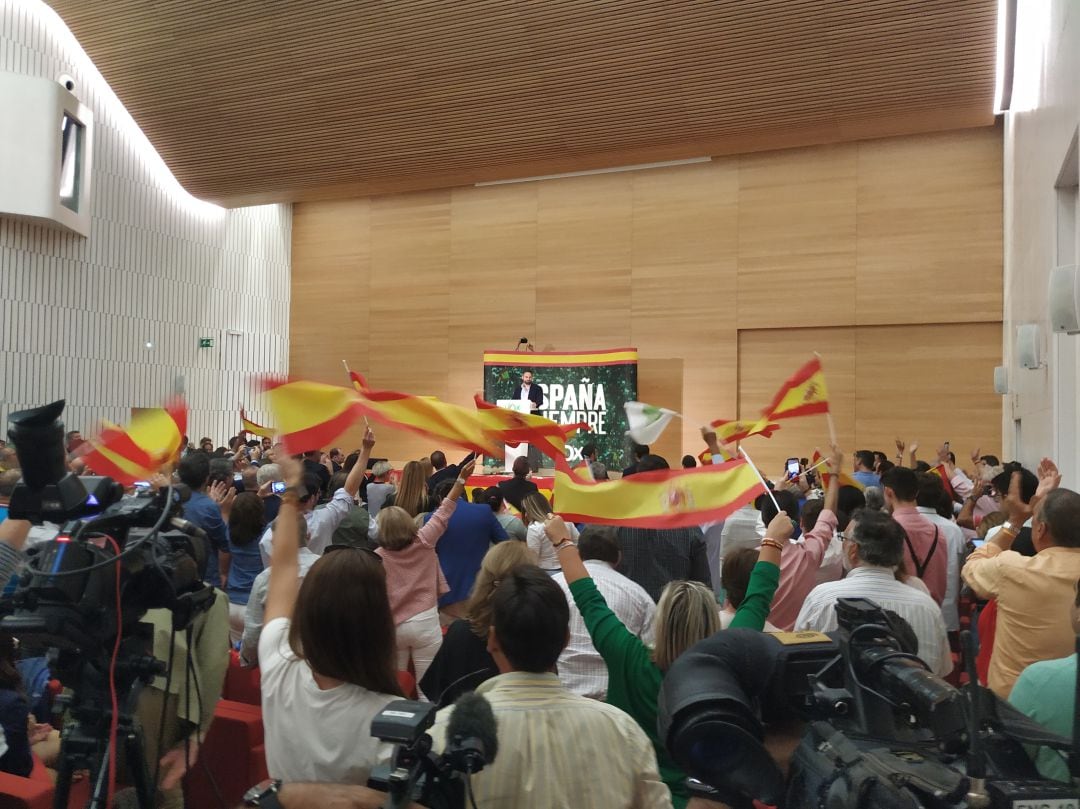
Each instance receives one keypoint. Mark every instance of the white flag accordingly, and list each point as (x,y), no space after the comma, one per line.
(647,422)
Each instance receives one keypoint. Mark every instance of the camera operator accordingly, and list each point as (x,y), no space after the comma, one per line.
(873,546)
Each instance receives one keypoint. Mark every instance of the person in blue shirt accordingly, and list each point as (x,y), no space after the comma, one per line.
(247,521)
(203,511)
(470,532)
(1046,692)
(864,468)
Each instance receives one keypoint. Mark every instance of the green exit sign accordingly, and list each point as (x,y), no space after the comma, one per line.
(206,342)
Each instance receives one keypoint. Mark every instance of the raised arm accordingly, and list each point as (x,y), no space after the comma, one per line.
(13,534)
(356,474)
(434,528)
(832,495)
(765,577)
(284,564)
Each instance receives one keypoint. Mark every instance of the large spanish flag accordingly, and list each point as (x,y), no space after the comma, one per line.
(665,498)
(310,415)
(427,416)
(728,432)
(802,395)
(511,427)
(136,452)
(248,426)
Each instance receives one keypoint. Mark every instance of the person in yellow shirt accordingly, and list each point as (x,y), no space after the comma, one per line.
(1033,593)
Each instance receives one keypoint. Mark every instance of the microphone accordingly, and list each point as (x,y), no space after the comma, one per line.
(471,734)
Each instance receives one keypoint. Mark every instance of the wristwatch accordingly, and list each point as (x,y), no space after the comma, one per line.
(563,543)
(264,794)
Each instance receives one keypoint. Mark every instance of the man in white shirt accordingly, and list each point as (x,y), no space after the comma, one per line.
(873,547)
(581,668)
(323,522)
(931,497)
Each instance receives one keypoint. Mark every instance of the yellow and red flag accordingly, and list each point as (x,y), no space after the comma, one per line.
(802,395)
(136,452)
(728,432)
(845,478)
(511,427)
(666,498)
(427,416)
(939,470)
(310,415)
(248,426)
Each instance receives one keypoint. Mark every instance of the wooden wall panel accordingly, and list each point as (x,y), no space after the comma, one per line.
(930,229)
(929,383)
(766,359)
(731,272)
(583,262)
(684,253)
(493,279)
(797,237)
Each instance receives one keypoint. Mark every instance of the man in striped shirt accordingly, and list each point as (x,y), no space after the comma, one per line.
(555,748)
(581,668)
(873,547)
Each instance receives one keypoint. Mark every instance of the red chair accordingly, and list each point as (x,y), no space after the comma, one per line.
(234,752)
(241,684)
(408,684)
(36,792)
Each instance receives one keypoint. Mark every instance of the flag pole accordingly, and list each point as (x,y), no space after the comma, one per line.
(757,472)
(349,374)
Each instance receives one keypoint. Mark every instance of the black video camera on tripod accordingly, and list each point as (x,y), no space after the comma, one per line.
(884,732)
(80,599)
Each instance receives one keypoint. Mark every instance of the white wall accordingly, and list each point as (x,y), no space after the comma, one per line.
(1038,132)
(159,267)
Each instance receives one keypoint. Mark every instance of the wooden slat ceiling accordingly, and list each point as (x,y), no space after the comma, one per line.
(303,99)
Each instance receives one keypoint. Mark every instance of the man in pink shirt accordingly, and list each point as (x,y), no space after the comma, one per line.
(926,551)
(799,562)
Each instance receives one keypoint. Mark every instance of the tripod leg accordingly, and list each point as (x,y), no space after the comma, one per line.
(140,775)
(63,783)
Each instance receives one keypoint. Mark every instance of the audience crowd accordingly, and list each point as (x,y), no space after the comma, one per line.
(340,573)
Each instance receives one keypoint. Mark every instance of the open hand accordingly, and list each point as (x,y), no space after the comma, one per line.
(1017,511)
(174,763)
(900,445)
(1049,478)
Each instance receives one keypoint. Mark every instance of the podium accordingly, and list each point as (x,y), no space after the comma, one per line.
(521,450)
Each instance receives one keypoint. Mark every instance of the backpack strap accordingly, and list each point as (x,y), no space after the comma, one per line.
(920,566)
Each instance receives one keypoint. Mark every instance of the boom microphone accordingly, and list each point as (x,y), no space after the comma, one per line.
(471,734)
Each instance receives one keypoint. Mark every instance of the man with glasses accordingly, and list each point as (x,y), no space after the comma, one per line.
(1033,593)
(873,548)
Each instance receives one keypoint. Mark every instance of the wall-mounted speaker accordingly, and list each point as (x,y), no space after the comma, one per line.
(1001,380)
(1027,346)
(1063,296)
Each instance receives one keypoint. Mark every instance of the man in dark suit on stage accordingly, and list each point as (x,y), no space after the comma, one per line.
(527,390)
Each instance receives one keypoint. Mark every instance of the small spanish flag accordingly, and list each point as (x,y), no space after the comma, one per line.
(727,432)
(666,498)
(511,427)
(136,452)
(845,478)
(310,415)
(802,395)
(248,426)
(427,416)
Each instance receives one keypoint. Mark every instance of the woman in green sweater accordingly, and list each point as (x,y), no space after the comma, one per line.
(687,612)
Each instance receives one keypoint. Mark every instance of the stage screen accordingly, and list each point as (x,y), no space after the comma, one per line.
(588,386)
